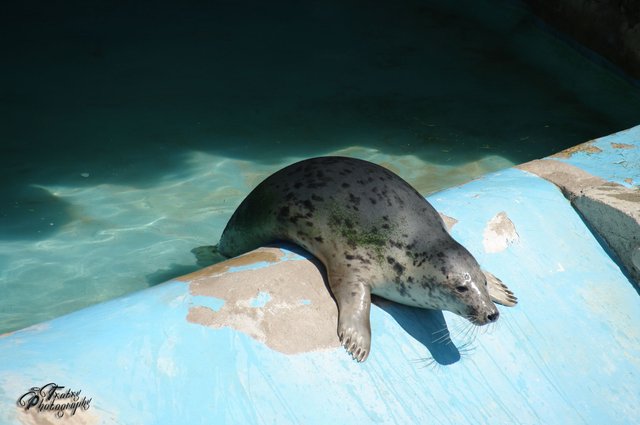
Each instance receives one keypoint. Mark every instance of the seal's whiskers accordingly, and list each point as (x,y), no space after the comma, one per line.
(445,336)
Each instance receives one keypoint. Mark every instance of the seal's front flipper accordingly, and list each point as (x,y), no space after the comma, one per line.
(354,304)
(499,292)
(207,255)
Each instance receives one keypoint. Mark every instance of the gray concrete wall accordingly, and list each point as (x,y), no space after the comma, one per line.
(609,27)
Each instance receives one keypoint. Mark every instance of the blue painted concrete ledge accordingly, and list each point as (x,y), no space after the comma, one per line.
(253,340)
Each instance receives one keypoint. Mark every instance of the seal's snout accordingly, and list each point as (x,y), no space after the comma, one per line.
(484,316)
(492,317)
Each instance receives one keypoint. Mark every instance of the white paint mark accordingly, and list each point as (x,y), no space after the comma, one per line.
(167,366)
(499,233)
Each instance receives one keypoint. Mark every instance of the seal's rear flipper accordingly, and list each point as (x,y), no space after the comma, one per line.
(499,292)
(207,255)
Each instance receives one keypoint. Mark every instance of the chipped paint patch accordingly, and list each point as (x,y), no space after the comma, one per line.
(570,179)
(253,266)
(622,146)
(587,148)
(261,257)
(499,233)
(214,304)
(448,221)
(286,306)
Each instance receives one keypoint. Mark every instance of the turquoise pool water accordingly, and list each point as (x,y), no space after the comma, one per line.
(129,134)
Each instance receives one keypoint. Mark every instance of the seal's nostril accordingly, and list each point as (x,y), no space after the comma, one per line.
(493,316)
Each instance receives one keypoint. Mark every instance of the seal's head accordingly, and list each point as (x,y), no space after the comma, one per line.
(461,286)
(470,297)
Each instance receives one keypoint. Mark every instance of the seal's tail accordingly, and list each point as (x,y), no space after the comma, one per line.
(207,255)
(499,292)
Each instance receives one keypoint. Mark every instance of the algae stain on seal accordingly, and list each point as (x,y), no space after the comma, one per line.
(285,306)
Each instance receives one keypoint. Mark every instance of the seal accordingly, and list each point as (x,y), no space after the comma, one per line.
(374,233)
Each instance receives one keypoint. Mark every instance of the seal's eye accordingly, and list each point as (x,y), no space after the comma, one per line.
(461,288)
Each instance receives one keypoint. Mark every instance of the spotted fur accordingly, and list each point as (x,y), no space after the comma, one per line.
(373,232)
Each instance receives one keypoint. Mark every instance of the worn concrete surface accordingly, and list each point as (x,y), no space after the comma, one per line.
(609,201)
